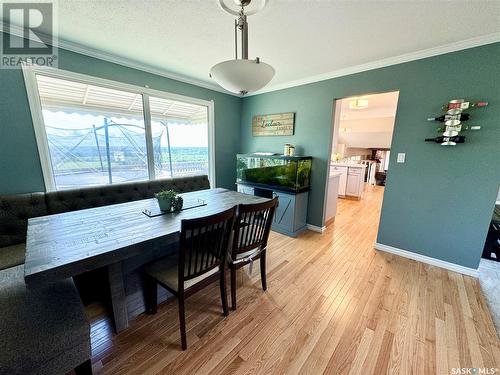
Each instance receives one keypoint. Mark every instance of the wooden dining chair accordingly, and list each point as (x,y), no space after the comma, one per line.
(251,232)
(200,261)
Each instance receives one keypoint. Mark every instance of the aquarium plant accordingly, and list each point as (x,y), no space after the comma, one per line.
(290,174)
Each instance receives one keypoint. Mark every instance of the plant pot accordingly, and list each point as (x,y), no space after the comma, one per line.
(164,203)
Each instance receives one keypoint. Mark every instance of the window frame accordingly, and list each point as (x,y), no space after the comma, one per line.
(29,74)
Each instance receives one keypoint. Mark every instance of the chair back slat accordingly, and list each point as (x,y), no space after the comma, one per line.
(252,226)
(204,243)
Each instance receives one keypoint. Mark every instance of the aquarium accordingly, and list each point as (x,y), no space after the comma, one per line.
(289,173)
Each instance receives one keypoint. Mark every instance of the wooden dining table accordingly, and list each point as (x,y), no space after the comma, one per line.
(68,244)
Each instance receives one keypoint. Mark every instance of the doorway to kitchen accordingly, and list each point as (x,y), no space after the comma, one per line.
(489,266)
(362,130)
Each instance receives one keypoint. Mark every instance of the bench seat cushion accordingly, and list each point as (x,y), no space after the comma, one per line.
(79,199)
(11,256)
(44,330)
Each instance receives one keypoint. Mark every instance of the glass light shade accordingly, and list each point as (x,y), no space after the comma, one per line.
(242,76)
(358,104)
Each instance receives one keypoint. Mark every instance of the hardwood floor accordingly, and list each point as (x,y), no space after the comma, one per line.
(333,305)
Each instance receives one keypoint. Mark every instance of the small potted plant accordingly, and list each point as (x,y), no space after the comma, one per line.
(166,199)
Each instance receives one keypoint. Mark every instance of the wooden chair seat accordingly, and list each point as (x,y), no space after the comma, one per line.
(166,272)
(253,254)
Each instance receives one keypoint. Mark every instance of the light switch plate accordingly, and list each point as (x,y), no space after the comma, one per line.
(401,157)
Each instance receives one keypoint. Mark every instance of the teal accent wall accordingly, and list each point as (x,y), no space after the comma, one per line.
(439,203)
(20,169)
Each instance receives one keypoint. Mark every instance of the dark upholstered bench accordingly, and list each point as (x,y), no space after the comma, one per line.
(43,330)
(78,199)
(16,209)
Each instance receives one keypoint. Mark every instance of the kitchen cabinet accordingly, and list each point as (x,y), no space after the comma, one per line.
(351,180)
(354,180)
(342,178)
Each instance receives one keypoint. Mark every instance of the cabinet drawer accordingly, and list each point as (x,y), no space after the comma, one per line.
(354,171)
(339,169)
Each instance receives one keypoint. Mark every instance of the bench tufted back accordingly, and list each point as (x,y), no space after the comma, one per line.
(15,210)
(78,199)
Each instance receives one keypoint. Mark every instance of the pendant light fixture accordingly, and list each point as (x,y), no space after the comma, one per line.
(242,75)
(358,104)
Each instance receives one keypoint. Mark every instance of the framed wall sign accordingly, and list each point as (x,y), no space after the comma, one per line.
(276,124)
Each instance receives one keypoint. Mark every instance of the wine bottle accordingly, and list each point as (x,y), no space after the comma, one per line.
(460,128)
(441,139)
(443,118)
(455,104)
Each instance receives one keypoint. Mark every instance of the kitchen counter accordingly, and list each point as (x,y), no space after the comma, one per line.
(350,165)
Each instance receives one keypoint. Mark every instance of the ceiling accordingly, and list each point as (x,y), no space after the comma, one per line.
(379,105)
(370,127)
(301,39)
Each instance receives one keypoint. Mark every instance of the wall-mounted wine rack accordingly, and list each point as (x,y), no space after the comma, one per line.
(453,119)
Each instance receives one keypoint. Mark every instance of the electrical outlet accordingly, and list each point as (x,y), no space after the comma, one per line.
(401,157)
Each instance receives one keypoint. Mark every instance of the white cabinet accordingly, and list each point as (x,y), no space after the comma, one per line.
(355,182)
(351,180)
(342,178)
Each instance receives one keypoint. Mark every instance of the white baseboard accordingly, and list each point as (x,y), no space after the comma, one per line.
(315,228)
(425,259)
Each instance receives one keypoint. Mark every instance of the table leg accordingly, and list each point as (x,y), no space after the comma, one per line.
(118,298)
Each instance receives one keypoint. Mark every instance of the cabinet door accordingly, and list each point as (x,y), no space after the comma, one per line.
(342,184)
(342,179)
(284,214)
(353,183)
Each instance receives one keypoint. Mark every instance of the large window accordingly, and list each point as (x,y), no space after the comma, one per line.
(180,148)
(95,132)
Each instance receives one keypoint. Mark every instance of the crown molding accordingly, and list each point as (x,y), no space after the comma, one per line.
(412,56)
(407,57)
(129,63)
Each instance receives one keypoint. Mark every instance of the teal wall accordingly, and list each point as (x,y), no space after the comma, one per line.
(439,203)
(20,169)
